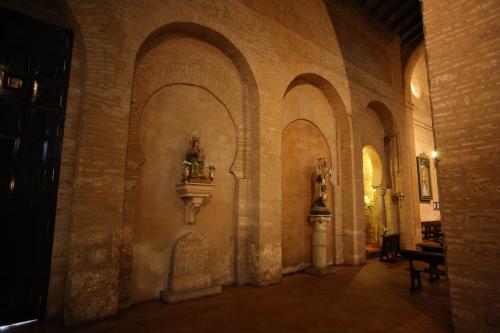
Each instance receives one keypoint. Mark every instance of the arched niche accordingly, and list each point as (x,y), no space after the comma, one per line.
(385,141)
(385,116)
(335,125)
(170,57)
(302,144)
(307,101)
(159,211)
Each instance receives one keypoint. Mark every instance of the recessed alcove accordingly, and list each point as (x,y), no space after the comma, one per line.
(177,91)
(302,144)
(164,134)
(306,116)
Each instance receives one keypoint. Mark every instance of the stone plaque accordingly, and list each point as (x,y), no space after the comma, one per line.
(190,273)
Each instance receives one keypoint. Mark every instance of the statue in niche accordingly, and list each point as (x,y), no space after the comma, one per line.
(320,178)
(194,163)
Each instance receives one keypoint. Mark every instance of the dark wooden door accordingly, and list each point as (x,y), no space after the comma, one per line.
(34,71)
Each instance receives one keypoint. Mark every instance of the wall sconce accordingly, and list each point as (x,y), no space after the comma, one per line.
(436,155)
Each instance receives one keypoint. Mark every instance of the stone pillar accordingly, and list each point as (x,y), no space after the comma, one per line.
(319,266)
(391,214)
(380,211)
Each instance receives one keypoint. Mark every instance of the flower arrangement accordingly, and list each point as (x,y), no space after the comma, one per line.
(211,171)
(187,170)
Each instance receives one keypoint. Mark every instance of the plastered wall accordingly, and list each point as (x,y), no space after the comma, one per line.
(168,119)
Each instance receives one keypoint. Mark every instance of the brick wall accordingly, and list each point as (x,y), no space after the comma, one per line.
(463,49)
(271,43)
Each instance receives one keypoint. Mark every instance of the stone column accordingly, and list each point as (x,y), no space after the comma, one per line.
(319,265)
(380,204)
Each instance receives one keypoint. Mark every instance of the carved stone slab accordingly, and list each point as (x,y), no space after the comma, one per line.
(190,273)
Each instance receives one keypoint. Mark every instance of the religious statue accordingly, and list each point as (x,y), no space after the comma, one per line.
(320,178)
(194,163)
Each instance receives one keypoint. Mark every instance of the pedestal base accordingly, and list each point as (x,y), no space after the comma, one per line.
(179,296)
(319,222)
(319,271)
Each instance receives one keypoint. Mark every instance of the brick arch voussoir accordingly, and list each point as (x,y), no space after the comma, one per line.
(344,153)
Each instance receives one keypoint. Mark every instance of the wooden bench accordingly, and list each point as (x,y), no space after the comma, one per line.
(430,246)
(432,258)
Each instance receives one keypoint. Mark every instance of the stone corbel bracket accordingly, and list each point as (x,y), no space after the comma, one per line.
(194,196)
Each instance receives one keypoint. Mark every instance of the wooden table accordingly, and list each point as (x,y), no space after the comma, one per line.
(390,248)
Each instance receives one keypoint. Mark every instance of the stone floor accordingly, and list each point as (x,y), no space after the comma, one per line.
(369,298)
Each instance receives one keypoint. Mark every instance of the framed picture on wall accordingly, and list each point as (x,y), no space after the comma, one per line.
(424,177)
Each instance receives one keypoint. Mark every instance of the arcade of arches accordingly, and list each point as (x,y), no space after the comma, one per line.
(270,86)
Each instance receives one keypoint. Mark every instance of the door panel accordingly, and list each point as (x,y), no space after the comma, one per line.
(34,72)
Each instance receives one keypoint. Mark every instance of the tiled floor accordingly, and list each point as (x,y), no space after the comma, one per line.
(369,298)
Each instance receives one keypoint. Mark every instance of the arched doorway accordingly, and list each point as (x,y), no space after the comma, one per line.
(373,198)
(380,168)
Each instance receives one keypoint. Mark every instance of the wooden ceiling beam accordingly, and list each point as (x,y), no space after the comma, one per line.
(377,7)
(411,36)
(392,10)
(404,15)
(403,29)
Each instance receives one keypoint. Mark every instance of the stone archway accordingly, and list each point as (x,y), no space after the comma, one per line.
(302,143)
(391,141)
(228,79)
(336,126)
(373,196)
